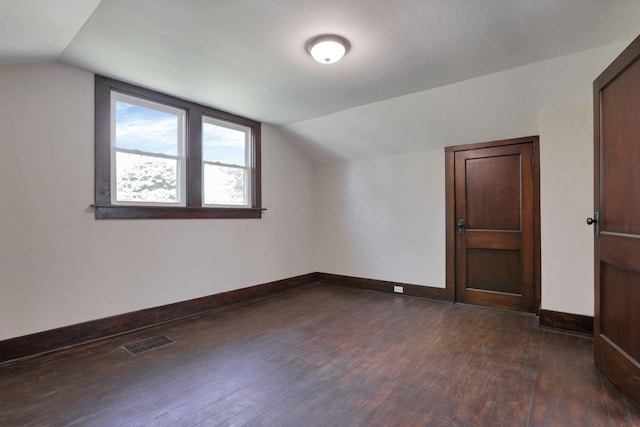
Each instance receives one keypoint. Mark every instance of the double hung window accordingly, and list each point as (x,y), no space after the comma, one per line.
(226,163)
(148,155)
(162,157)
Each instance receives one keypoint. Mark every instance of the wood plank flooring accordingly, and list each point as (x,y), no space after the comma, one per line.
(323,355)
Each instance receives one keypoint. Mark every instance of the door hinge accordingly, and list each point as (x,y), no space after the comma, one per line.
(533,160)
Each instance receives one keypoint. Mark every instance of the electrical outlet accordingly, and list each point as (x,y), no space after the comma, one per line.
(398,289)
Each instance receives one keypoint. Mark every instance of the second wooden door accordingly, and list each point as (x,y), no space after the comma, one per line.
(616,338)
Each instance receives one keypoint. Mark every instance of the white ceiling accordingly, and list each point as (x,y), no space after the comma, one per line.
(39,30)
(248,57)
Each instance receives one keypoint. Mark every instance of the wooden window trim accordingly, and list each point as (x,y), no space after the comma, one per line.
(193,209)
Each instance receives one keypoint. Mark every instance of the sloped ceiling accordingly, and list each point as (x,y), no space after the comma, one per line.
(248,57)
(39,30)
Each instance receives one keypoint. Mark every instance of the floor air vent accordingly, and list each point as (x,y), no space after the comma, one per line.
(147,344)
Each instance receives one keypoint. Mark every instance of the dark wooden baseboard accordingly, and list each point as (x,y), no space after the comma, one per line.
(68,336)
(81,333)
(566,321)
(429,292)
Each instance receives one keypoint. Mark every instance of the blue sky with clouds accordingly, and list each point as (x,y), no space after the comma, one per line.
(153,131)
(144,129)
(220,144)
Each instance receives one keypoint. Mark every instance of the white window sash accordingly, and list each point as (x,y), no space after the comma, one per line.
(247,185)
(248,161)
(181,157)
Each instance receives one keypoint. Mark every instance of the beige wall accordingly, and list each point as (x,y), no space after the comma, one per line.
(566,200)
(383,218)
(378,216)
(403,237)
(59,266)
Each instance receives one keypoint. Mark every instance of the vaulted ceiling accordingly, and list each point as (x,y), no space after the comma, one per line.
(248,56)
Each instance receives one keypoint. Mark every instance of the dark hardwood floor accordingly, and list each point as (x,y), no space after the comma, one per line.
(323,355)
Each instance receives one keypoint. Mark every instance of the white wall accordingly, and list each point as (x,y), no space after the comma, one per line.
(383,218)
(59,266)
(406,241)
(566,200)
(380,215)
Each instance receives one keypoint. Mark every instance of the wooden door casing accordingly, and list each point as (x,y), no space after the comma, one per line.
(617,234)
(494,188)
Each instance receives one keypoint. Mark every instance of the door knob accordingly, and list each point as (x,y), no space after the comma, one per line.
(591,221)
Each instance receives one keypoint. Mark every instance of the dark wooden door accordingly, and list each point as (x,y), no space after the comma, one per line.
(495,220)
(617,242)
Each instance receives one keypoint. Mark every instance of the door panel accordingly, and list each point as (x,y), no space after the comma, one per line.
(491,182)
(495,253)
(482,274)
(620,302)
(621,130)
(617,241)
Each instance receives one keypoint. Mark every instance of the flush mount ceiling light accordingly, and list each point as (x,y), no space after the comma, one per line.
(328,48)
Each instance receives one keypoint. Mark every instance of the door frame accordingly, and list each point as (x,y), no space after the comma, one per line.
(449,153)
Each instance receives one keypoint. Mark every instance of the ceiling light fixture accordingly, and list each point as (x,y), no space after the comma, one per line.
(328,48)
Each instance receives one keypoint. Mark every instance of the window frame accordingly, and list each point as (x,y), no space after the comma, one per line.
(180,157)
(194,208)
(247,153)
